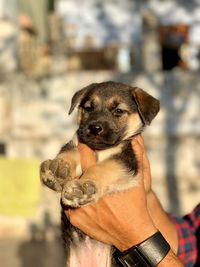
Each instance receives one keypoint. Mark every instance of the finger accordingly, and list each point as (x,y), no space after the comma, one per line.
(87,156)
(146,172)
(67,213)
(146,163)
(139,139)
(138,149)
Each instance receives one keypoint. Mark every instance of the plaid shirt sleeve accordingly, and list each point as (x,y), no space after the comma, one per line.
(188,227)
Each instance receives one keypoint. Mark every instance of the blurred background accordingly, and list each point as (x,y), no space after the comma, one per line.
(51,48)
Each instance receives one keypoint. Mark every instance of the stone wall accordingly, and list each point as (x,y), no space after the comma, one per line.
(35,123)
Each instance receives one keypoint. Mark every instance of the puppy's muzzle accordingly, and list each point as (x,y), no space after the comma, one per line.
(99,134)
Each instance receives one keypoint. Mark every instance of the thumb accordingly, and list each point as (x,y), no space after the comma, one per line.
(87,156)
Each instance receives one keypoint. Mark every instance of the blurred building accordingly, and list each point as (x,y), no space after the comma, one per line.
(106,35)
(174,25)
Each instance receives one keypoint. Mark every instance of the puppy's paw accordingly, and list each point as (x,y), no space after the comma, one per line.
(77,193)
(53,173)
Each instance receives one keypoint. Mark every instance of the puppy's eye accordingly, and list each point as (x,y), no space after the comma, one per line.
(118,112)
(88,109)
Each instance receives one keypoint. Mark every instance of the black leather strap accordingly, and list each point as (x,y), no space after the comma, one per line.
(146,254)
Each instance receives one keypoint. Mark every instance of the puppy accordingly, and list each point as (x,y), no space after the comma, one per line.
(109,115)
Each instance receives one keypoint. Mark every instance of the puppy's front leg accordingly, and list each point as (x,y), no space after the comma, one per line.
(100,179)
(54,173)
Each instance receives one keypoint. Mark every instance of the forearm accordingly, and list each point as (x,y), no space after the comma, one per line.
(162,221)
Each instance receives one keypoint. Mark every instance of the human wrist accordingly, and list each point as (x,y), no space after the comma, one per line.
(170,260)
(148,253)
(134,236)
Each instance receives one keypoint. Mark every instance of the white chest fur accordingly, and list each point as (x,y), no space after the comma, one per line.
(107,153)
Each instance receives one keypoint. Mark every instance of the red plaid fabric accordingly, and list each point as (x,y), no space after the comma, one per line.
(188,228)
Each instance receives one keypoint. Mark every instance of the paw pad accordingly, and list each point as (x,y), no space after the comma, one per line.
(54,172)
(77,193)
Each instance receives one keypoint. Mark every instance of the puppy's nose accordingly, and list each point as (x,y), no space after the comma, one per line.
(95,129)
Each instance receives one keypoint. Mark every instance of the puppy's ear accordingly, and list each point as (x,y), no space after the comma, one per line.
(78,96)
(147,105)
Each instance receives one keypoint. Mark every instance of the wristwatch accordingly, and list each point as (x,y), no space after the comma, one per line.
(146,254)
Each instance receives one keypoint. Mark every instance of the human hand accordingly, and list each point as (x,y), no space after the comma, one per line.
(117,218)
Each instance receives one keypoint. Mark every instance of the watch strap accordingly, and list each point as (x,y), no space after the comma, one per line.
(146,254)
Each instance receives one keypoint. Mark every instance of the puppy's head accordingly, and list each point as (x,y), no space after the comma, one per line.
(111,112)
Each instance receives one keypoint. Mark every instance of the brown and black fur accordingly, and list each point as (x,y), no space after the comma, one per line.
(109,115)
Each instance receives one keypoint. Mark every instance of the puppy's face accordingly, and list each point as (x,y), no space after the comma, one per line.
(111,112)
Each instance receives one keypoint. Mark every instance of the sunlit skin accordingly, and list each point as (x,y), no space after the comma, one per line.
(114,221)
